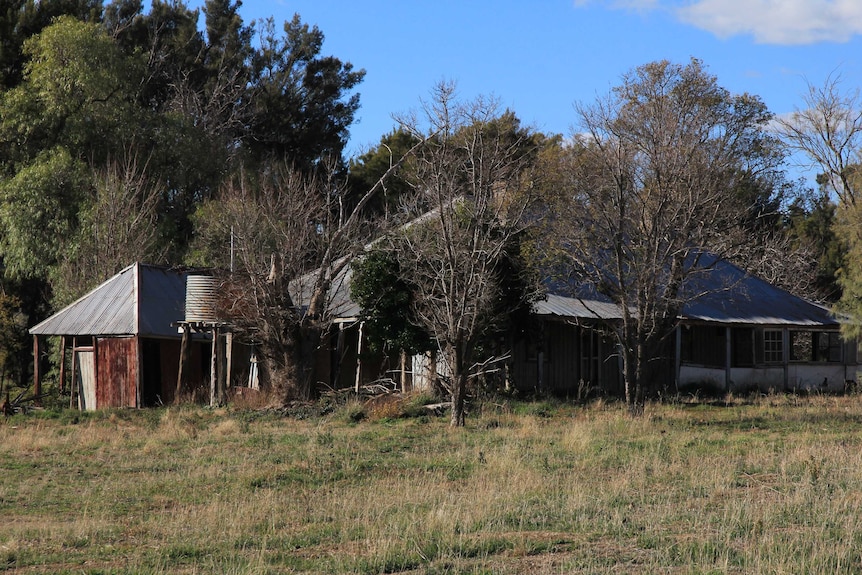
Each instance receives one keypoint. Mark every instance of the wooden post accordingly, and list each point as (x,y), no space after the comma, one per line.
(183,373)
(73,386)
(403,371)
(214,368)
(37,372)
(62,364)
(677,354)
(359,357)
(228,350)
(728,358)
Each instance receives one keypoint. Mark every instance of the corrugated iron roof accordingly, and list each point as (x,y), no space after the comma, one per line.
(561,306)
(734,296)
(140,300)
(730,295)
(339,304)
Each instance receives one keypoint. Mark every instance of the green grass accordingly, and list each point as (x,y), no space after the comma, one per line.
(763,485)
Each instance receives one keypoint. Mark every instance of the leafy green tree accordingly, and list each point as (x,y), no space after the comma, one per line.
(22,19)
(76,93)
(380,289)
(301,106)
(812,225)
(72,110)
(365,170)
(39,210)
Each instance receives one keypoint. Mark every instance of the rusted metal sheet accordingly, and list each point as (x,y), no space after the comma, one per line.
(116,372)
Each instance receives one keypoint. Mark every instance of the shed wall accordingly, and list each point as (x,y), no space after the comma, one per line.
(116,372)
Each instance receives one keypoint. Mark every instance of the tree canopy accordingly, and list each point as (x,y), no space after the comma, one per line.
(118,124)
(645,189)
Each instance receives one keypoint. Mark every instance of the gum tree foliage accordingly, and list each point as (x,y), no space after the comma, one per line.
(199,106)
(21,19)
(72,111)
(645,189)
(93,99)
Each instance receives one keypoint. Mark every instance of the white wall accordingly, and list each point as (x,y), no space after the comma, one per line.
(800,377)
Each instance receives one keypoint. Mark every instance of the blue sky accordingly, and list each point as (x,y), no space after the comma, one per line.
(540,57)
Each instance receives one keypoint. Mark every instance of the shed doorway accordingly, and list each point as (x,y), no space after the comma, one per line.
(85,378)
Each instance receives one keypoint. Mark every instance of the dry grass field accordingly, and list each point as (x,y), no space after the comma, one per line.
(764,485)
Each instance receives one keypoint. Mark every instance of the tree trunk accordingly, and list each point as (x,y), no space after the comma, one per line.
(459,386)
(302,380)
(632,374)
(636,408)
(459,390)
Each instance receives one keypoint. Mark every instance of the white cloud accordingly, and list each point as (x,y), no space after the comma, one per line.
(777,21)
(783,22)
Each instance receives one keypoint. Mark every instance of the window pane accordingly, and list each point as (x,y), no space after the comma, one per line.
(801,345)
(828,346)
(773,348)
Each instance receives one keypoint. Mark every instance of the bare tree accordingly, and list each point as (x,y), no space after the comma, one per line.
(118,225)
(291,238)
(646,190)
(829,132)
(468,206)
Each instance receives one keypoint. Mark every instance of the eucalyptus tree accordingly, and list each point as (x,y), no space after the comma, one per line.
(647,187)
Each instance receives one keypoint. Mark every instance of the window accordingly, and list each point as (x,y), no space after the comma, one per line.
(815,346)
(773,346)
(703,345)
(828,346)
(742,346)
(801,345)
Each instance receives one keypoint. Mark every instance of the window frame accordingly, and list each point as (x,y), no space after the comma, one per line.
(773,347)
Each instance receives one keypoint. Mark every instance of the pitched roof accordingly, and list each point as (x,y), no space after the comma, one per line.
(339,304)
(140,300)
(730,295)
(734,296)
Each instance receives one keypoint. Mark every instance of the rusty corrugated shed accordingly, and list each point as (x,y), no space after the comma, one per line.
(140,300)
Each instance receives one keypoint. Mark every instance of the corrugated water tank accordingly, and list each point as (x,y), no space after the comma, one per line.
(200,298)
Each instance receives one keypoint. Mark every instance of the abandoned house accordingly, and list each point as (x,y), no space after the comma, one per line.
(742,334)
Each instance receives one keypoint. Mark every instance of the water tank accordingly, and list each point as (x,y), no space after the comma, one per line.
(200,298)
